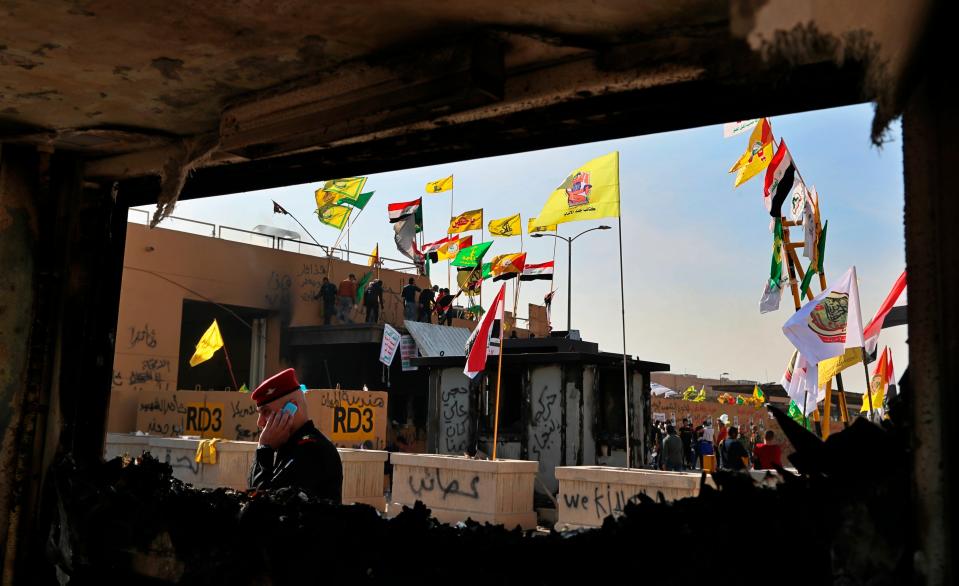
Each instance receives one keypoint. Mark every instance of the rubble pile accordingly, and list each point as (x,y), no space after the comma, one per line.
(842,520)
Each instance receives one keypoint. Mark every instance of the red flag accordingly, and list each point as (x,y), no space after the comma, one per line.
(871,332)
(485,339)
(780,176)
(403,208)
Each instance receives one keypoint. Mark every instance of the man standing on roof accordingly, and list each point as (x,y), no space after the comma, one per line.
(291,451)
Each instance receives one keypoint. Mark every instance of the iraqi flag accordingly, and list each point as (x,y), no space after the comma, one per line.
(542,271)
(871,333)
(403,208)
(780,180)
(485,339)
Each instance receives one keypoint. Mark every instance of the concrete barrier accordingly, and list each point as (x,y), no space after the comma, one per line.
(589,494)
(362,469)
(456,488)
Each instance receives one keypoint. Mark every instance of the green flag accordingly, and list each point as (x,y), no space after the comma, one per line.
(795,413)
(776,266)
(817,266)
(358,202)
(471,255)
(487,270)
(361,287)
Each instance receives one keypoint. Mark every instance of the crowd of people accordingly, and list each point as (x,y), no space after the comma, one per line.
(688,448)
(418,304)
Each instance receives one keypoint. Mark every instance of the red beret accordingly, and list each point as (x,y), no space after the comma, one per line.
(278,385)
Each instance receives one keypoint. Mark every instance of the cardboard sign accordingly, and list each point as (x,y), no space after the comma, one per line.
(207,414)
(391,341)
(351,419)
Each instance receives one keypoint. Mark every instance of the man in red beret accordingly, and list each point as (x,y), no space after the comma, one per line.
(292,452)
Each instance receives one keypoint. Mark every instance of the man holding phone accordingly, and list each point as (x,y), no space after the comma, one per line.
(292,451)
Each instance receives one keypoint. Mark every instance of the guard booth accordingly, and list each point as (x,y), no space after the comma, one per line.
(561,404)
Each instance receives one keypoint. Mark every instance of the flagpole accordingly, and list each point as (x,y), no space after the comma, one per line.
(229,366)
(304,228)
(449,281)
(865,369)
(499,371)
(622,299)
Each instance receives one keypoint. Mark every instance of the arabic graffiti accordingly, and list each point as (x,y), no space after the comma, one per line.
(601,502)
(145,335)
(310,280)
(454,420)
(544,424)
(278,289)
(432,480)
(152,370)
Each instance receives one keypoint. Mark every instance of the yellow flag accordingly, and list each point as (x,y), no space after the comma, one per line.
(471,220)
(375,257)
(759,152)
(701,396)
(833,366)
(351,187)
(509,226)
(335,216)
(208,345)
(588,193)
(326,198)
(440,185)
(532,228)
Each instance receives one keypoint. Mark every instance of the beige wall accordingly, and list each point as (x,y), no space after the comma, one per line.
(161,268)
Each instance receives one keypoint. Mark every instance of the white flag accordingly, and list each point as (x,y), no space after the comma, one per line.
(809,224)
(828,324)
(405,236)
(771,297)
(738,127)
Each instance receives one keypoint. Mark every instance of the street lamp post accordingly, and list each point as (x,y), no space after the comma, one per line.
(569,268)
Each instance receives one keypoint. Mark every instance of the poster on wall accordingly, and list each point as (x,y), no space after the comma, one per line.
(408,352)
(391,341)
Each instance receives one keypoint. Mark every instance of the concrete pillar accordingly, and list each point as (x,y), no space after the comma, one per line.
(930,158)
(18,243)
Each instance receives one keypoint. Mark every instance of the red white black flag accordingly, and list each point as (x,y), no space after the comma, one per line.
(403,208)
(542,271)
(485,339)
(780,177)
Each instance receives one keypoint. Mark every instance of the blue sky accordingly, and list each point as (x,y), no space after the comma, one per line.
(696,251)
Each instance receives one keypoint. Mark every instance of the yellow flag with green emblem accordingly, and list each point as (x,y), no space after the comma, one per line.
(208,345)
(590,192)
(440,185)
(350,187)
(506,227)
(335,216)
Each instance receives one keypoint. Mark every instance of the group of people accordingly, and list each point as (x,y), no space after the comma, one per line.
(685,448)
(340,300)
(420,304)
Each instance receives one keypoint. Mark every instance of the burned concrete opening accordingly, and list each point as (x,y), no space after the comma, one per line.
(620,70)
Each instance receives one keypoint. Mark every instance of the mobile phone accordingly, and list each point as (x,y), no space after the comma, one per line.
(290,408)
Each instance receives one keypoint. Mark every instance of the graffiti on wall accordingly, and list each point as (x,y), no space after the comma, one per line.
(426,483)
(454,421)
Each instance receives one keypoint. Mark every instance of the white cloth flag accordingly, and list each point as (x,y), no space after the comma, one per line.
(827,325)
(809,224)
(771,297)
(830,323)
(405,236)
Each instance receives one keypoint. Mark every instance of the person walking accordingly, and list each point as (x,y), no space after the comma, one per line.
(686,434)
(327,293)
(427,297)
(768,455)
(409,299)
(734,454)
(373,300)
(346,297)
(672,452)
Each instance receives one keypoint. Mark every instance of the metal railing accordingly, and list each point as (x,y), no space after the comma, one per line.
(267,241)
